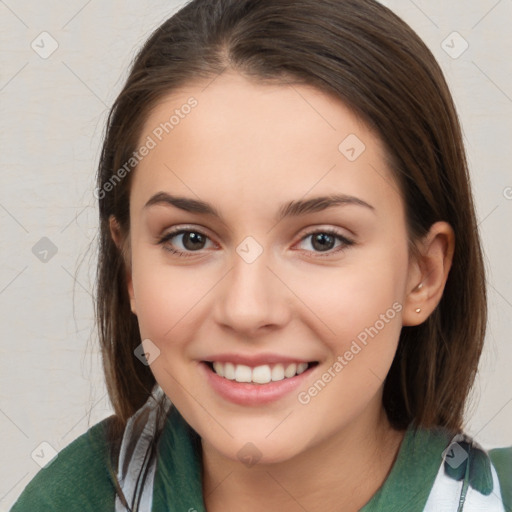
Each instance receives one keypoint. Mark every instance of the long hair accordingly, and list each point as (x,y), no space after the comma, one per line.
(376,64)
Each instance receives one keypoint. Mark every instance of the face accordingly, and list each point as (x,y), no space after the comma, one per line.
(271,316)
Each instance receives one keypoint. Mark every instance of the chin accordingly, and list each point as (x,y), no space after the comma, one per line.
(258,452)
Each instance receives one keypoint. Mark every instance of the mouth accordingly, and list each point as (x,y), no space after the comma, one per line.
(261,374)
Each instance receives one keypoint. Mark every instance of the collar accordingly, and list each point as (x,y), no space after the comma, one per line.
(413,473)
(178,482)
(430,464)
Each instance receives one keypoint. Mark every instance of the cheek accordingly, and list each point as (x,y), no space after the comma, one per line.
(359,313)
(161,301)
(351,299)
(363,316)
(167,299)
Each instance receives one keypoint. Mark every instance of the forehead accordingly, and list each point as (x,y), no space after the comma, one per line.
(234,135)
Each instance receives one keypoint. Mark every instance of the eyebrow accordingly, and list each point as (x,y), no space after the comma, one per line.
(291,209)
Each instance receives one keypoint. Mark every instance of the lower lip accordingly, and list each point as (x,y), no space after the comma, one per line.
(243,393)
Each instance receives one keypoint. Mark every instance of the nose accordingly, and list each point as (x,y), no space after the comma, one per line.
(252,298)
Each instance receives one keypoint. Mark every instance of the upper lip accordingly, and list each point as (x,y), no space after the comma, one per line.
(256,359)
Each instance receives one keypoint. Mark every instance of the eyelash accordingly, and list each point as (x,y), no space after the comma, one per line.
(346,242)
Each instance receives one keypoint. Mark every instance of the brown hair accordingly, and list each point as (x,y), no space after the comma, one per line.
(375,63)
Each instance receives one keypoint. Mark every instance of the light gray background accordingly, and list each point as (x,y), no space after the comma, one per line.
(53,115)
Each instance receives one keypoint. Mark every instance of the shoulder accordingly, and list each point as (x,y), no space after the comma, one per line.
(77,479)
(488,473)
(502,460)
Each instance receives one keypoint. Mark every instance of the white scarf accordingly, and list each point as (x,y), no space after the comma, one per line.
(136,457)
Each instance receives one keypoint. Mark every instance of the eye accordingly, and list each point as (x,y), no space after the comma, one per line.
(324,241)
(191,241)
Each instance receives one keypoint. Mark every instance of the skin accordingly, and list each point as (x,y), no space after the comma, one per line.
(247,148)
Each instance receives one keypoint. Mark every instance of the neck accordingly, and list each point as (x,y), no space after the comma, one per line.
(342,472)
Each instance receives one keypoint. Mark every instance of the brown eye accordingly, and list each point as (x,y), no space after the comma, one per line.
(324,241)
(191,241)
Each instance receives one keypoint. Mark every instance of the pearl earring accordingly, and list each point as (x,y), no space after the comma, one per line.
(418,310)
(420,286)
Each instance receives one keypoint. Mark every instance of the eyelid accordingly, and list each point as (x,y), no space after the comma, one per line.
(334,232)
(326,228)
(308,232)
(181,230)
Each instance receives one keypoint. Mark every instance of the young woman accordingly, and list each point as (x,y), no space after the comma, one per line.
(291,295)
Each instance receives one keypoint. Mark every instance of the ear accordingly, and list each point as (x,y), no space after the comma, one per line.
(428,272)
(117,237)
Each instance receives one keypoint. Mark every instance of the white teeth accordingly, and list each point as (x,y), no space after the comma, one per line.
(290,370)
(229,371)
(262,374)
(278,372)
(243,373)
(301,368)
(219,369)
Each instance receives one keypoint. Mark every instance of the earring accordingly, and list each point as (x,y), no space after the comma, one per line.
(419,287)
(418,310)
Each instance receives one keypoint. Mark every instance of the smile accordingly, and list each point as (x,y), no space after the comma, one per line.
(254,380)
(262,374)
